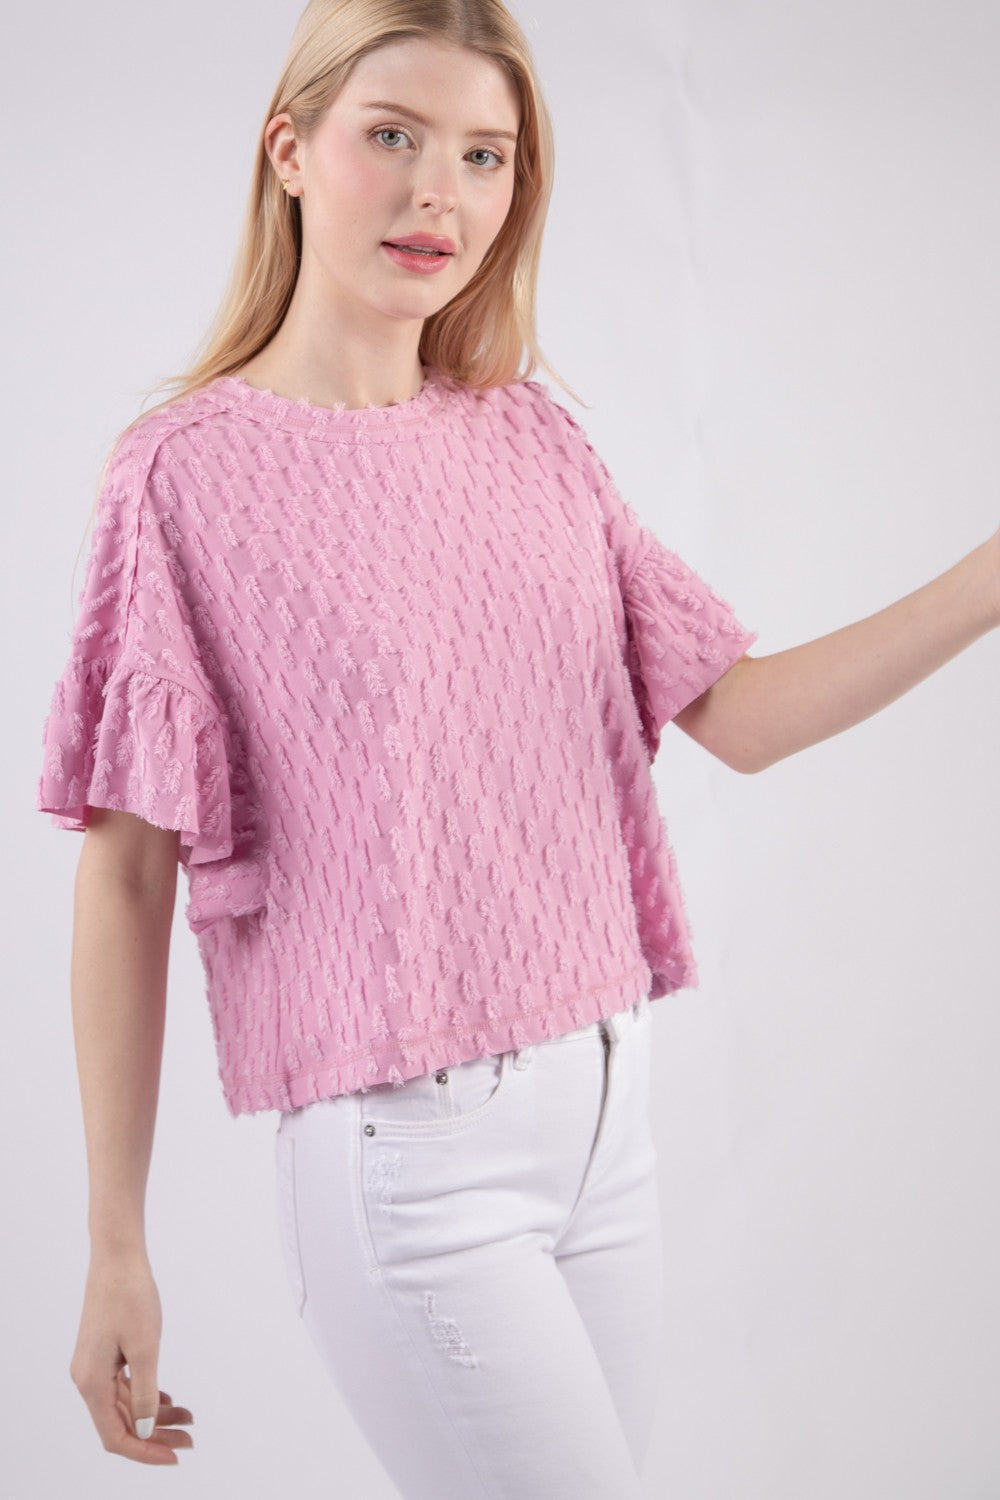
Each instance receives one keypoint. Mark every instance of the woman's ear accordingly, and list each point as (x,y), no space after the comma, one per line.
(283,150)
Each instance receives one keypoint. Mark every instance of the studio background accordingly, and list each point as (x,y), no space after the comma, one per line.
(771,270)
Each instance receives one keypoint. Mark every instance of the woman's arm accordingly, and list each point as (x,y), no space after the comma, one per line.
(123,912)
(768,707)
(126,885)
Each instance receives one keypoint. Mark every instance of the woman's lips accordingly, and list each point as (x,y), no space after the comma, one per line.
(415,261)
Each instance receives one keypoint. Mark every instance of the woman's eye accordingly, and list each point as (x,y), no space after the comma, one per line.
(388,130)
(485,151)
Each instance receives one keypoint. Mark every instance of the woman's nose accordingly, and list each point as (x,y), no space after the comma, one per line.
(437,185)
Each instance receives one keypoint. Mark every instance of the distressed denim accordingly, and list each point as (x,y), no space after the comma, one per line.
(477,1257)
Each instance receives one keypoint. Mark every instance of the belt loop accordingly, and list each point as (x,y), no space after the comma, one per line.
(522,1057)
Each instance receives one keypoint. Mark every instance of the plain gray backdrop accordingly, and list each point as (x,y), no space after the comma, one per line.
(771,271)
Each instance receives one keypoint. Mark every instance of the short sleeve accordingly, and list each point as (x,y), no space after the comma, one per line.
(133,723)
(681,635)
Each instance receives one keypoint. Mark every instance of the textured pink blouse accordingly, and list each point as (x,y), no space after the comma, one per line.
(397,675)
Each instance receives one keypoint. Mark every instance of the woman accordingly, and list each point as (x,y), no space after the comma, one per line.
(373,647)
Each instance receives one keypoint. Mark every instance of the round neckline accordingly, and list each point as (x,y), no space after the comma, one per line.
(299,414)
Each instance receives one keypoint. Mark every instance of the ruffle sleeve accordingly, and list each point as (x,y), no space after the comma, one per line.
(136,722)
(121,738)
(682,636)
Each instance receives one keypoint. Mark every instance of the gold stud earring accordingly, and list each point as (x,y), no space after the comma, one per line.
(284,183)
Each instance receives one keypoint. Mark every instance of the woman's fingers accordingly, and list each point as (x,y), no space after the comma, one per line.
(165,1432)
(168,1416)
(113,1421)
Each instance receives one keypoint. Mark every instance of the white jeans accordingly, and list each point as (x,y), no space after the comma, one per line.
(477,1256)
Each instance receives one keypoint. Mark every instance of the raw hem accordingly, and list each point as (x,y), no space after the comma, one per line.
(331,1077)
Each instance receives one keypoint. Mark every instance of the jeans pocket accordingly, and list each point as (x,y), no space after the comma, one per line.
(447,1099)
(288,1223)
(471,1087)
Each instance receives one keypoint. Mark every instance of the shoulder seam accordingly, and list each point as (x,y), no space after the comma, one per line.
(139,462)
(155,427)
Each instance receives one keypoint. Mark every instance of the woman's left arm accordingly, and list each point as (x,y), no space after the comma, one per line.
(765,708)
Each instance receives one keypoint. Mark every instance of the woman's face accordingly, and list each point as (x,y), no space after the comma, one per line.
(372,172)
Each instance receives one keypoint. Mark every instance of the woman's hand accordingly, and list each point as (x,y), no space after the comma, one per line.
(121,1325)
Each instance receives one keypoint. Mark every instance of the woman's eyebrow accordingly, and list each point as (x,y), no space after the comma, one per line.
(401,109)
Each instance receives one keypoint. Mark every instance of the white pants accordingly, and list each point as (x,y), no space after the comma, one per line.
(477,1256)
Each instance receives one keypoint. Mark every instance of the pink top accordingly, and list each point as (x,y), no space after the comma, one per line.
(397,675)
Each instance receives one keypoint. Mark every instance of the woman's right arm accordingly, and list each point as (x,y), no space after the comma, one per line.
(124,898)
